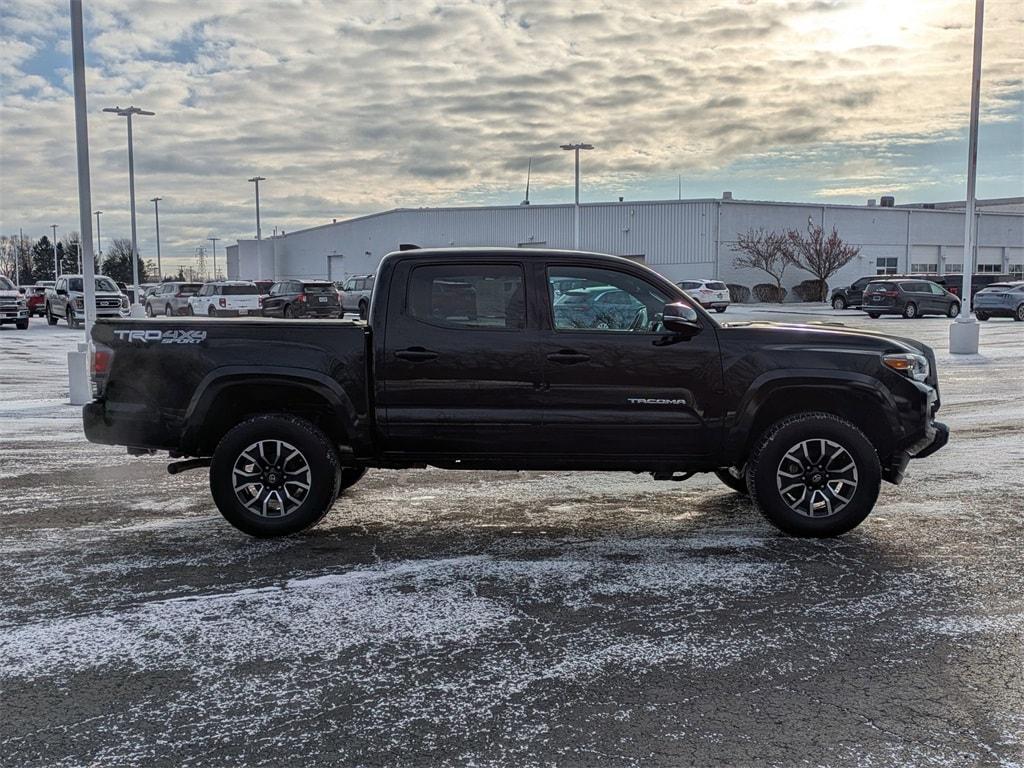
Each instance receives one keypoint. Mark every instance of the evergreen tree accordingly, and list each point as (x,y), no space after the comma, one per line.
(117,263)
(42,260)
(69,262)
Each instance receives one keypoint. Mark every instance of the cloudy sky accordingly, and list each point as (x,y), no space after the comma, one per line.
(354,107)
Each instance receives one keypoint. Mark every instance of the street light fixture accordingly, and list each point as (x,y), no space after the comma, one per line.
(214,241)
(576,209)
(128,112)
(156,209)
(259,257)
(56,265)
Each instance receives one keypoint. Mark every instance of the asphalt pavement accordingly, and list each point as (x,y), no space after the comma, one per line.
(510,619)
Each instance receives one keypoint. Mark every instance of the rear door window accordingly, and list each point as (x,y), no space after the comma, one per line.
(485,296)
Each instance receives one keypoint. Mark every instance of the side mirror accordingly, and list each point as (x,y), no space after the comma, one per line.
(680,318)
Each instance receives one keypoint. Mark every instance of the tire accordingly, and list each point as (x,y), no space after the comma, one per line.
(910,310)
(780,452)
(21,325)
(70,316)
(738,481)
(720,310)
(189,311)
(287,314)
(983,316)
(50,319)
(349,477)
(874,315)
(1019,314)
(168,311)
(265,515)
(838,303)
(211,312)
(149,310)
(364,309)
(953,310)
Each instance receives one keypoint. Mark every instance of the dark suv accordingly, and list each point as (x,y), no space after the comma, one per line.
(852,295)
(910,298)
(302,298)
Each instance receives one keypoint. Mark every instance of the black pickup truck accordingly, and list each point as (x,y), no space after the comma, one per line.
(518,359)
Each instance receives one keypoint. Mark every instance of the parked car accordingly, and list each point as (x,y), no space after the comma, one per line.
(1000,300)
(225,298)
(264,286)
(712,294)
(852,296)
(806,419)
(35,299)
(302,298)
(171,298)
(910,298)
(67,300)
(13,306)
(355,295)
(597,307)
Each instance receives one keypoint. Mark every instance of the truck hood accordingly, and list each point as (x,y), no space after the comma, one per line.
(828,335)
(10,294)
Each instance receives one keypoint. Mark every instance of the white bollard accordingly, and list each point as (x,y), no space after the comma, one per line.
(963,337)
(79,388)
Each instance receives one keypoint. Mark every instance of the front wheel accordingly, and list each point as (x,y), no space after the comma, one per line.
(720,310)
(211,312)
(70,316)
(21,325)
(168,310)
(838,303)
(190,312)
(274,475)
(1019,314)
(983,316)
(149,310)
(734,478)
(814,474)
(50,317)
(910,311)
(364,309)
(874,315)
(954,309)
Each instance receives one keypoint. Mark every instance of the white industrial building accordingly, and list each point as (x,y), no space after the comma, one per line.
(678,238)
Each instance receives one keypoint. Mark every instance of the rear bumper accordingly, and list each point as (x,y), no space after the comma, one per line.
(131,426)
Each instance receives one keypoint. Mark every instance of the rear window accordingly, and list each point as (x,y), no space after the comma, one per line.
(874,287)
(318,287)
(239,290)
(190,289)
(716,286)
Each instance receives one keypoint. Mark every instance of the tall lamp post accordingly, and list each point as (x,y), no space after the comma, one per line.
(129,112)
(56,265)
(214,241)
(156,210)
(99,242)
(964,331)
(576,210)
(259,256)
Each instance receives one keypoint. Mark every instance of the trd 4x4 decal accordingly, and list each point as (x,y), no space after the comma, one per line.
(177,336)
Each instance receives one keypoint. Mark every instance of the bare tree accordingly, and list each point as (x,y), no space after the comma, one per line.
(766,251)
(820,255)
(8,256)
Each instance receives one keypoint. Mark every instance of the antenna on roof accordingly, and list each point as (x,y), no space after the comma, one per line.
(529,167)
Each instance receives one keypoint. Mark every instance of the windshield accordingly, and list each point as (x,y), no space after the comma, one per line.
(103,285)
(5,284)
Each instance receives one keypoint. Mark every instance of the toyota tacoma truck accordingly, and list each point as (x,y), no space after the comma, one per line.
(465,363)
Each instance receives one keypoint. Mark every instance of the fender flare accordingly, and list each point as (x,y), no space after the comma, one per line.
(220,379)
(837,383)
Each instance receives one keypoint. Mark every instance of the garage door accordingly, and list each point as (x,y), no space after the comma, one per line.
(335,267)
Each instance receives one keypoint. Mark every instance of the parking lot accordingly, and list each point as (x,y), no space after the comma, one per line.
(527,619)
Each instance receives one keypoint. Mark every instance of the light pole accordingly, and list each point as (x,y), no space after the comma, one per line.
(99,242)
(259,257)
(214,241)
(156,210)
(56,266)
(576,210)
(964,331)
(129,112)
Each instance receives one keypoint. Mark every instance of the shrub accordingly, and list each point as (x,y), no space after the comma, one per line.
(738,294)
(769,293)
(810,290)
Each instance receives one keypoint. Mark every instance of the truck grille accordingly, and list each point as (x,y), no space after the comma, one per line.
(107,303)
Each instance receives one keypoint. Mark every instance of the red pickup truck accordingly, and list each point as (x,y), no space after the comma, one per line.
(35,299)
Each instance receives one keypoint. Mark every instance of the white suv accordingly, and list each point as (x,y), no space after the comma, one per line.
(226,298)
(712,294)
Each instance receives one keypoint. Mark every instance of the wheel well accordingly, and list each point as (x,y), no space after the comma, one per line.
(235,403)
(858,408)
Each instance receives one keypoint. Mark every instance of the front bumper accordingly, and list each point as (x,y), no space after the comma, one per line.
(14,314)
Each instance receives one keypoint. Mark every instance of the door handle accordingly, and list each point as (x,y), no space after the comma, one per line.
(568,357)
(416,355)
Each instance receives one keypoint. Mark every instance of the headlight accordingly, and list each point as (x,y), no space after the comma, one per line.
(912,366)
(124,302)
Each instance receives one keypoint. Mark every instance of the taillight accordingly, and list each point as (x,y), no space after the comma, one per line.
(222,301)
(259,301)
(302,298)
(100,359)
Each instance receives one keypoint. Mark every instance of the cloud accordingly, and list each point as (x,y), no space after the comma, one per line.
(353,108)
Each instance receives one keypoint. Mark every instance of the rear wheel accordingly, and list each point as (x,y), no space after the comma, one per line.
(189,311)
(874,315)
(211,312)
(814,474)
(364,309)
(70,316)
(720,310)
(50,319)
(983,316)
(274,475)
(838,303)
(1019,314)
(168,311)
(149,310)
(954,309)
(287,311)
(910,310)
(733,477)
